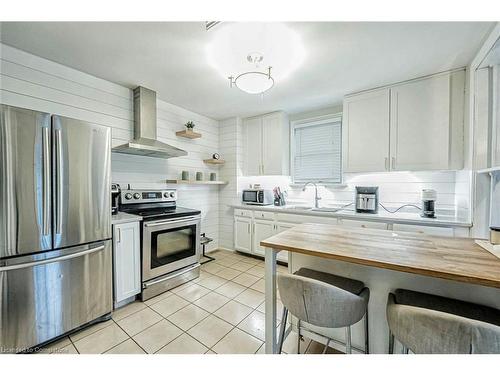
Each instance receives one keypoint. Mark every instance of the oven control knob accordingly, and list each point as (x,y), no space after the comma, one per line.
(137,195)
(165,194)
(128,196)
(172,195)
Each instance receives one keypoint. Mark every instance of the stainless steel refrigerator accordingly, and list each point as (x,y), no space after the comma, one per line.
(55,226)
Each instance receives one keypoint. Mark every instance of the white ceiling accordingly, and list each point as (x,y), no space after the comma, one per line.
(169,57)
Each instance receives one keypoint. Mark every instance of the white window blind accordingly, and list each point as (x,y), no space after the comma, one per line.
(317,153)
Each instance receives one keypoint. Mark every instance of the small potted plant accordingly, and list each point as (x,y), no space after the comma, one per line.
(189,126)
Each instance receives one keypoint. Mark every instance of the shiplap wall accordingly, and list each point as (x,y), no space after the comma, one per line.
(32,82)
(230,140)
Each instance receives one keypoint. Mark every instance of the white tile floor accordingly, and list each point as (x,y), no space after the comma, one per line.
(220,312)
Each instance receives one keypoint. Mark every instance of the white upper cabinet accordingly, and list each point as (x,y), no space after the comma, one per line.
(267,150)
(426,126)
(253,146)
(413,126)
(365,132)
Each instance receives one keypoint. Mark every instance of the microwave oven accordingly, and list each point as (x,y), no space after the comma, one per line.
(259,197)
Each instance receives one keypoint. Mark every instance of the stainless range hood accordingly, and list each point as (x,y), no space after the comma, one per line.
(145,142)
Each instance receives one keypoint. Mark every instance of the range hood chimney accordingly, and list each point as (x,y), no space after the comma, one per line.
(145,131)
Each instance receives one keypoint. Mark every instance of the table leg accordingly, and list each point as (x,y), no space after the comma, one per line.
(270,283)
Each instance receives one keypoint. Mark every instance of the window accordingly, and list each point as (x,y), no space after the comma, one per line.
(317,150)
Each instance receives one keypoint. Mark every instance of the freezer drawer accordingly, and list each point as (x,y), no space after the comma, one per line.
(46,295)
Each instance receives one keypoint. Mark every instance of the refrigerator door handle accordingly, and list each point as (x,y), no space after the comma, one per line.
(46,181)
(59,182)
(51,260)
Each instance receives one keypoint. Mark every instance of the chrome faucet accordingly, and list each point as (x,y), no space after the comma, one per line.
(316,197)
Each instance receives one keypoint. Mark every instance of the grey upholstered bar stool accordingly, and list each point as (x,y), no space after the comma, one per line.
(324,300)
(425,323)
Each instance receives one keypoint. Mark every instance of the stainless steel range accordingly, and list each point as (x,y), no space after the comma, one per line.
(170,239)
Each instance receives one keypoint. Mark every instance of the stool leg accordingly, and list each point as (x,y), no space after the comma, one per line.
(348,349)
(367,343)
(326,346)
(405,350)
(282,329)
(298,336)
(391,343)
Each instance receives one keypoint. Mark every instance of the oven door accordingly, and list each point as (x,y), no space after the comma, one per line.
(169,245)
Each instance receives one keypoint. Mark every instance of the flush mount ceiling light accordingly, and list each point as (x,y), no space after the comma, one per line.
(253,82)
(230,52)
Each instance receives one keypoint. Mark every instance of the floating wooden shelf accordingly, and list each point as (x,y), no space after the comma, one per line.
(188,134)
(214,161)
(195,182)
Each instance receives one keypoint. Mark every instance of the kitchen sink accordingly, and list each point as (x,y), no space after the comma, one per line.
(301,208)
(326,209)
(313,209)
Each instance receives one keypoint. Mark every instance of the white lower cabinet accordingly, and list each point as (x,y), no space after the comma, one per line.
(243,234)
(250,228)
(248,232)
(126,261)
(262,229)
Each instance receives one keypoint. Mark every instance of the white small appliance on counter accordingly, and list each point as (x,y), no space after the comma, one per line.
(259,197)
(429,197)
(366,199)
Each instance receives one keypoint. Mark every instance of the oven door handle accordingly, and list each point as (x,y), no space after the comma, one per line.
(172,221)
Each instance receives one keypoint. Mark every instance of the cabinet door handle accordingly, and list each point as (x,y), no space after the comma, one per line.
(386,163)
(248,228)
(393,161)
(118,235)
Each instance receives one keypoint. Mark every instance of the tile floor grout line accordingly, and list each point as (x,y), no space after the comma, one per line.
(183,332)
(72,343)
(193,304)
(130,337)
(162,317)
(126,316)
(91,325)
(234,327)
(163,345)
(113,345)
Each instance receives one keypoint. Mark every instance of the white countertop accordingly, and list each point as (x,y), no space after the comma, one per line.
(122,217)
(442,220)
